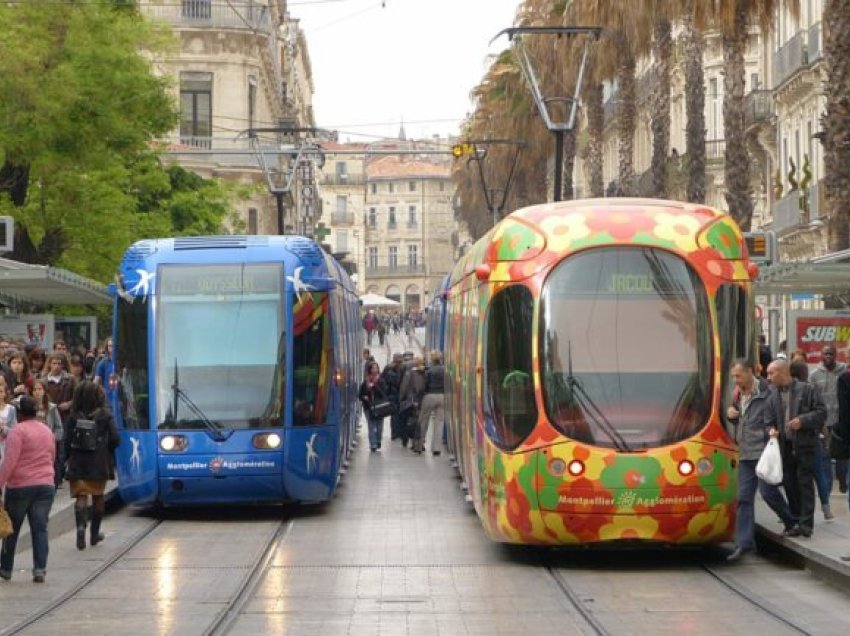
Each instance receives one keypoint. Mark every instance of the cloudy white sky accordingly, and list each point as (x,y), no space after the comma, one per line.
(376,62)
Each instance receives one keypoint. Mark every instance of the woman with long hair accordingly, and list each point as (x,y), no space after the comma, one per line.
(372,391)
(22,382)
(37,360)
(90,440)
(48,413)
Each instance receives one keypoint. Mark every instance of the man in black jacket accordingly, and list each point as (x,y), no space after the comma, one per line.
(795,412)
(841,431)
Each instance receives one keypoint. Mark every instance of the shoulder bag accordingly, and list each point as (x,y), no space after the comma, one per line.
(5,523)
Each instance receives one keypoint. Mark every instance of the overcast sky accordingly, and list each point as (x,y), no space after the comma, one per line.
(415,60)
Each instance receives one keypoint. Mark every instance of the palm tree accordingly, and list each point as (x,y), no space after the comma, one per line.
(694,103)
(836,121)
(662,45)
(734,17)
(595,125)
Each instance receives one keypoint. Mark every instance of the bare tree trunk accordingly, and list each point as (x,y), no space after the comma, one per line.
(626,116)
(836,121)
(595,125)
(695,111)
(737,164)
(662,45)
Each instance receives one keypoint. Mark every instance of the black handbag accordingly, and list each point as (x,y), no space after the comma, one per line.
(838,448)
(408,406)
(382,409)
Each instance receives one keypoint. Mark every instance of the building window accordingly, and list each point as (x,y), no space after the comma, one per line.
(373,187)
(442,186)
(253,227)
(412,256)
(390,187)
(342,240)
(393,253)
(411,186)
(252,100)
(341,204)
(373,217)
(197,9)
(373,257)
(411,216)
(342,171)
(391,222)
(196,108)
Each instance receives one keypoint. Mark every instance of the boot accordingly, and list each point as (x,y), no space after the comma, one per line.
(96,534)
(80,516)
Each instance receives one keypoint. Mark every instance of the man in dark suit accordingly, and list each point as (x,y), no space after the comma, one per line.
(795,412)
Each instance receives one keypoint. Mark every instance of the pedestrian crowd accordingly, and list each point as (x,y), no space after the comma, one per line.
(809,417)
(54,425)
(384,323)
(411,394)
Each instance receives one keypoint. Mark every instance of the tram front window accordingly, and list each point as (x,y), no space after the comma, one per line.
(626,348)
(219,346)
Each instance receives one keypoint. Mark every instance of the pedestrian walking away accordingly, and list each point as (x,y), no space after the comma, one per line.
(26,473)
(433,405)
(90,440)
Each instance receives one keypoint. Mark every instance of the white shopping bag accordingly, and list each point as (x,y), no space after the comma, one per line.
(769,468)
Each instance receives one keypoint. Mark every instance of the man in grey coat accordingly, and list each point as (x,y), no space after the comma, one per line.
(795,413)
(825,378)
(746,413)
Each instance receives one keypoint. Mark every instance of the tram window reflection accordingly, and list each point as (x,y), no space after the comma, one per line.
(509,403)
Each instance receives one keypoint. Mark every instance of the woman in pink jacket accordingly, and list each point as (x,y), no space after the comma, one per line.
(27,474)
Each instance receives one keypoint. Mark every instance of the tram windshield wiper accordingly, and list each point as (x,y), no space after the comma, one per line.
(218,432)
(590,407)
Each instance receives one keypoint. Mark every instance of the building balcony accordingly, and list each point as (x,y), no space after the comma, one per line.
(715,150)
(342,218)
(344,180)
(401,271)
(787,215)
(758,107)
(211,14)
(797,54)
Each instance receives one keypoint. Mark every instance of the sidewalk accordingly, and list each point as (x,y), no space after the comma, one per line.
(62,514)
(821,554)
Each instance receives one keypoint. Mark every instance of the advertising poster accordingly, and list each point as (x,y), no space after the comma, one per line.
(34,329)
(812,330)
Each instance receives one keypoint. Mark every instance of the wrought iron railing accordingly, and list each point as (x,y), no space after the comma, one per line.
(211,14)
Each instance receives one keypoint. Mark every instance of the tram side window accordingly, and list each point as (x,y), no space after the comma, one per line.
(311,360)
(736,337)
(132,364)
(509,400)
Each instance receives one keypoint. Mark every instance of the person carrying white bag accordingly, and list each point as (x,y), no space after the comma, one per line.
(746,415)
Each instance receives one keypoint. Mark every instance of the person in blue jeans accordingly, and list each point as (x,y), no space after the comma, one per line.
(27,475)
(746,414)
(372,391)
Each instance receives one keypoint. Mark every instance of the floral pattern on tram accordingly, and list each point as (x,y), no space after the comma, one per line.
(551,489)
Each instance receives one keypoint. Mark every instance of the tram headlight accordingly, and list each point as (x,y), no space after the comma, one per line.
(686,468)
(267,441)
(576,467)
(557,466)
(173,443)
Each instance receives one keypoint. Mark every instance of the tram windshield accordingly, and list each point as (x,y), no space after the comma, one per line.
(626,348)
(219,346)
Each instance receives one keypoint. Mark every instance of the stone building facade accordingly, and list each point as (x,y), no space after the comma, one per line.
(236,66)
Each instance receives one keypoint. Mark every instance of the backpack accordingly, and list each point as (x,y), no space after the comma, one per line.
(84,437)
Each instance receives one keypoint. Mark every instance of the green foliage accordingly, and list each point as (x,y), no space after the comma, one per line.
(81,108)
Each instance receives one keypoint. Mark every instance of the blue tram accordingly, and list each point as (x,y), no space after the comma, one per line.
(236,369)
(435,326)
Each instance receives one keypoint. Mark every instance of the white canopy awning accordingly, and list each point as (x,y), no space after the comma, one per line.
(22,283)
(376,300)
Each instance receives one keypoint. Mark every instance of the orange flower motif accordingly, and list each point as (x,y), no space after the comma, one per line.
(564,229)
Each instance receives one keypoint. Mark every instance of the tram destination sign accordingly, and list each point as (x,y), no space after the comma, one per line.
(182,280)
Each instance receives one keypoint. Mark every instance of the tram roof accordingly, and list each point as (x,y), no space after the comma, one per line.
(23,283)
(804,278)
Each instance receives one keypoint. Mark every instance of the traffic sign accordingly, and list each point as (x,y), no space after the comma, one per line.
(761,247)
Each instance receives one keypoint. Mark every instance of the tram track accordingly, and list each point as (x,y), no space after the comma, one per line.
(72,593)
(596,623)
(230,613)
